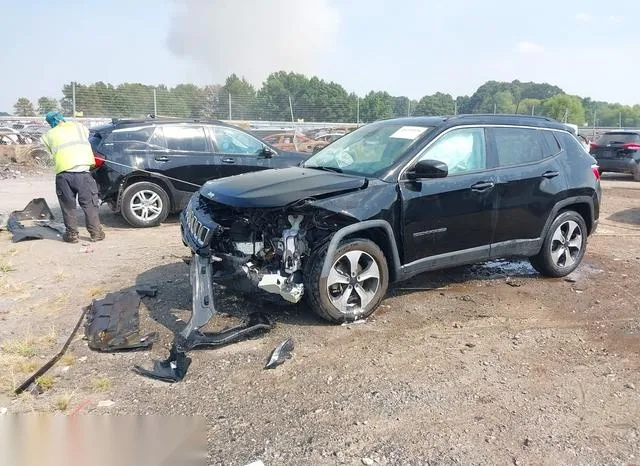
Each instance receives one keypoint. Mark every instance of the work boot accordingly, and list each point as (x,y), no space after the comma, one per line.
(70,237)
(95,237)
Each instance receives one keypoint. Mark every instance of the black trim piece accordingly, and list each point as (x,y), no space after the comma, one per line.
(516,248)
(449,259)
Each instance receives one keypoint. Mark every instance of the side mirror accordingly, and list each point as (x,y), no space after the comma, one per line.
(268,152)
(428,169)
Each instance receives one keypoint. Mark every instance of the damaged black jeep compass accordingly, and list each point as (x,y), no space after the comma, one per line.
(390,200)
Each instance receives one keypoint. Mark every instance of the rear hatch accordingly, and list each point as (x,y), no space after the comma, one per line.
(619,144)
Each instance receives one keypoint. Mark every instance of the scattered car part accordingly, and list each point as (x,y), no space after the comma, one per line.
(49,364)
(113,321)
(40,222)
(280,354)
(253,323)
(148,290)
(172,369)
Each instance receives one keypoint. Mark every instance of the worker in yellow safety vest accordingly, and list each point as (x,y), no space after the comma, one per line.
(68,143)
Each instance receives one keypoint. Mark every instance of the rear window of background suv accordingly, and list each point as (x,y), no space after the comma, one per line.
(618,138)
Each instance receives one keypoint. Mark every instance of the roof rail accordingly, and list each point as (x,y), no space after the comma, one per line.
(512,115)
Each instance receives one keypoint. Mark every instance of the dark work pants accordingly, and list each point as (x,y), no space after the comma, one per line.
(80,184)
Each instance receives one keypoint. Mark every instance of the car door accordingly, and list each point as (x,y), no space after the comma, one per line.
(184,156)
(239,152)
(530,180)
(450,221)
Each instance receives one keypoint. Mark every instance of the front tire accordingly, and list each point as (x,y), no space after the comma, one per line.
(145,204)
(357,282)
(563,247)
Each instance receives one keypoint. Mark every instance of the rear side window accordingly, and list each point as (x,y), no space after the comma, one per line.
(185,138)
(552,147)
(133,135)
(618,138)
(516,146)
(571,145)
(122,140)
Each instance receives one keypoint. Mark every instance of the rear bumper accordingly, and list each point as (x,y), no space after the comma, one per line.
(617,165)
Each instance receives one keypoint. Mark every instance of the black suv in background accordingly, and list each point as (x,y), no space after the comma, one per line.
(146,169)
(394,199)
(618,152)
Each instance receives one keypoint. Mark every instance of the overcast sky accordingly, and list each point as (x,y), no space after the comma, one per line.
(406,47)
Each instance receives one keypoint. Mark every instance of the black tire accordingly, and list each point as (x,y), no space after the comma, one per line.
(141,188)
(544,262)
(636,172)
(317,295)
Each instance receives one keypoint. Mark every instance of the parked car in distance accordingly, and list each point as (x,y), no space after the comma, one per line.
(396,198)
(146,169)
(618,152)
(291,142)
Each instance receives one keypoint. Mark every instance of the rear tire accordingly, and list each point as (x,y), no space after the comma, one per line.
(564,246)
(145,204)
(357,283)
(636,172)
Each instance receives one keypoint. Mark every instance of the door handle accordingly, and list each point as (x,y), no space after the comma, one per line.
(550,174)
(482,186)
(162,158)
(229,160)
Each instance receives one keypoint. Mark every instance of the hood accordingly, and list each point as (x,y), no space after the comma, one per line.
(278,188)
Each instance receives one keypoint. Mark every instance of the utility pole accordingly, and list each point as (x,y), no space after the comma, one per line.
(409,107)
(495,108)
(455,107)
(230,118)
(155,103)
(293,124)
(620,120)
(73,93)
(358,112)
(533,109)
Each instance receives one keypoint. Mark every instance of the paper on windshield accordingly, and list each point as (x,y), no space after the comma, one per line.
(409,132)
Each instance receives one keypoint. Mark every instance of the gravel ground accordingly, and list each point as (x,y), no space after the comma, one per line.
(489,364)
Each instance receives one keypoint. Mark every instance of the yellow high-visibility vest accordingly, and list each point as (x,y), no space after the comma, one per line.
(69,145)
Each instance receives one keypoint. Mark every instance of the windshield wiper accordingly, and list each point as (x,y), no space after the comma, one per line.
(328,169)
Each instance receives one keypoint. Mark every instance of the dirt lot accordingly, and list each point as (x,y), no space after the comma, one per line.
(456,367)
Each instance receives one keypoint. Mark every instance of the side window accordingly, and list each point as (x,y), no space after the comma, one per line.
(552,143)
(129,139)
(463,150)
(232,141)
(517,145)
(571,144)
(185,138)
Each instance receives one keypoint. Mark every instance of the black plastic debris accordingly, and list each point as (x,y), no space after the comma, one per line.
(254,323)
(280,354)
(35,221)
(113,323)
(173,369)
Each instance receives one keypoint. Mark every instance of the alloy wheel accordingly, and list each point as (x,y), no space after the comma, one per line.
(566,244)
(146,205)
(353,282)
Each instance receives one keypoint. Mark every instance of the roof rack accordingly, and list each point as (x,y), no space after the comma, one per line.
(512,115)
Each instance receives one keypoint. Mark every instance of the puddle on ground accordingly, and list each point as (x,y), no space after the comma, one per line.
(500,268)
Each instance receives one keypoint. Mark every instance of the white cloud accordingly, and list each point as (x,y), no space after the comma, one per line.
(530,47)
(615,19)
(584,17)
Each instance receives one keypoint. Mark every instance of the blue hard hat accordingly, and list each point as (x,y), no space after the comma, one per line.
(53,118)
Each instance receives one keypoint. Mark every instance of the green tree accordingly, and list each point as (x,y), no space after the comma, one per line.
(436,104)
(47,104)
(566,108)
(24,108)
(376,106)
(529,107)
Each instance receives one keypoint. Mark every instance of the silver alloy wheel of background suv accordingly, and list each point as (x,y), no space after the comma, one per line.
(146,205)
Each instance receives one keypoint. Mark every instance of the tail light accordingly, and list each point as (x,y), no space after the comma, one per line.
(596,171)
(631,146)
(99,159)
(592,146)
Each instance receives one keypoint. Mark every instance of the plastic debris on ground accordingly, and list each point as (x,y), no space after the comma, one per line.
(280,354)
(35,221)
(113,323)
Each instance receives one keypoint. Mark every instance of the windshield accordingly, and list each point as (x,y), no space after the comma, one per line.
(618,138)
(368,151)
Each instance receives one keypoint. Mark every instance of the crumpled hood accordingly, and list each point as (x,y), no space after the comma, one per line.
(278,188)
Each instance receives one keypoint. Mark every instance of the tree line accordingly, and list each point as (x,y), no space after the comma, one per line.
(284,96)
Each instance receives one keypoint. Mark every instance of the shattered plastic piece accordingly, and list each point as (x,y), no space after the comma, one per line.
(172,369)
(42,224)
(277,284)
(253,323)
(280,354)
(202,307)
(3,411)
(112,324)
(256,463)
(148,290)
(106,404)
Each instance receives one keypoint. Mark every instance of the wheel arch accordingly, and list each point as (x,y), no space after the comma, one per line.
(137,177)
(378,231)
(583,205)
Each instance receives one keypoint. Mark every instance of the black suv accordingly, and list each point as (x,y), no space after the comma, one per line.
(394,199)
(618,152)
(148,168)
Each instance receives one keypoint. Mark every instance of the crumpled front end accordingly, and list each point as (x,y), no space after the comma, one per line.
(250,248)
